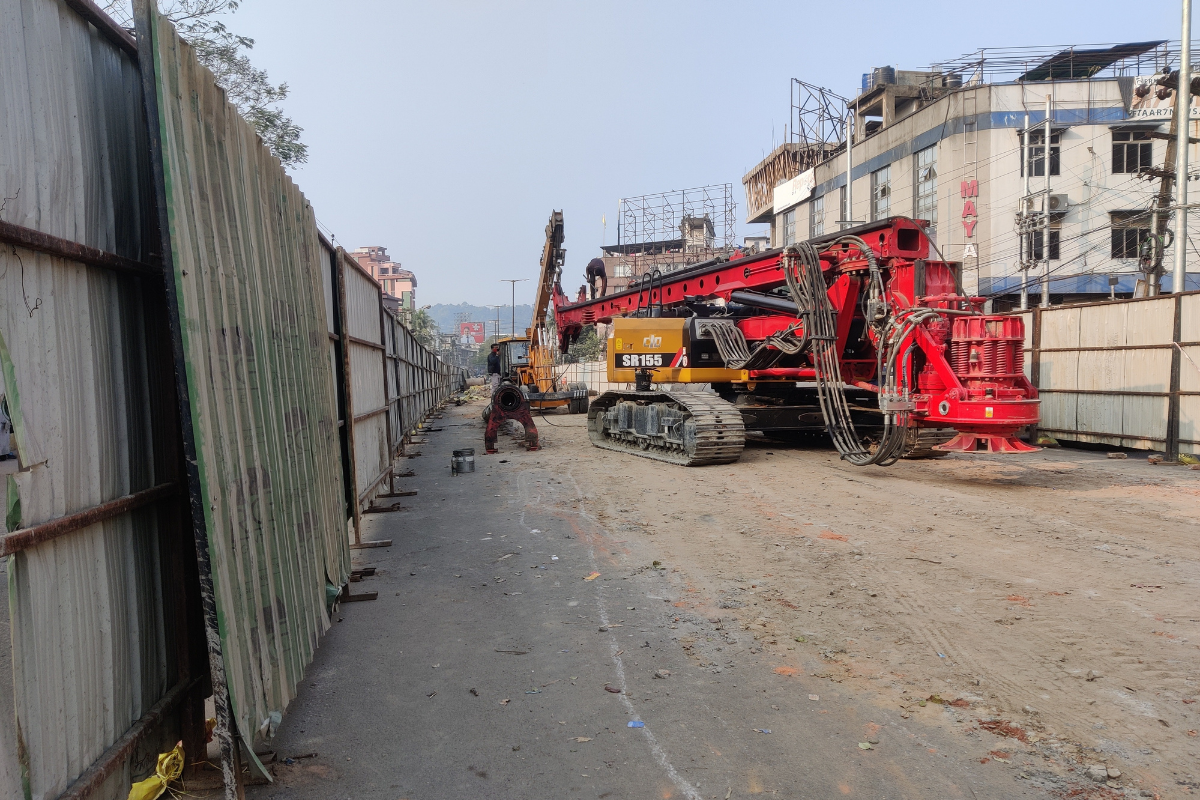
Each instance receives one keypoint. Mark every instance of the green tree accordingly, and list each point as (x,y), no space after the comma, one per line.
(224,53)
(588,347)
(423,328)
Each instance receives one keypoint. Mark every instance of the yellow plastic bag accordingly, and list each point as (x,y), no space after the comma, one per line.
(170,767)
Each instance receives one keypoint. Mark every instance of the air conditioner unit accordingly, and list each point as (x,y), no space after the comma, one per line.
(1033,204)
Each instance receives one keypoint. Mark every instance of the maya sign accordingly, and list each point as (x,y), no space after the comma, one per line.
(969,190)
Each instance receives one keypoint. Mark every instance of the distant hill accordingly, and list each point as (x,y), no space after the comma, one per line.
(445,315)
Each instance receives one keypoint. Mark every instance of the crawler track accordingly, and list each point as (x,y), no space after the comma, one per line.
(690,429)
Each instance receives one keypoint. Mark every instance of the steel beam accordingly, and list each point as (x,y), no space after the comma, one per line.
(37,241)
(23,538)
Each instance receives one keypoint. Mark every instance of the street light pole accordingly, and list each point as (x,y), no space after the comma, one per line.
(514,282)
(497,307)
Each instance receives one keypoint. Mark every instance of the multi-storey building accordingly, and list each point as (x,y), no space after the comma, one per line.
(947,146)
(399,283)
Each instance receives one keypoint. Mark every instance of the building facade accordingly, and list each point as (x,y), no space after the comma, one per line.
(953,155)
(399,283)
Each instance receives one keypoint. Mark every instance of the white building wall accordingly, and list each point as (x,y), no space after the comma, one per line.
(1084,111)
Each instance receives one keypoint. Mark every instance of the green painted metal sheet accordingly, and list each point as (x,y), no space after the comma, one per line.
(248,275)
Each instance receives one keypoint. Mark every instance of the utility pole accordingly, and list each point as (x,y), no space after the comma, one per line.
(1159,213)
(1045,303)
(1183,114)
(514,282)
(848,215)
(1026,201)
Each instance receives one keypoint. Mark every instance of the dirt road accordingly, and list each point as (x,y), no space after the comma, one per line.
(788,625)
(1052,597)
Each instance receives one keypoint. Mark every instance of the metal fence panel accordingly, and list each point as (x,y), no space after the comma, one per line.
(1147,323)
(422,380)
(1107,371)
(92,650)
(368,397)
(247,266)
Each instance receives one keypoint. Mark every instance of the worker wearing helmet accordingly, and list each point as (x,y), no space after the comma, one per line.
(595,270)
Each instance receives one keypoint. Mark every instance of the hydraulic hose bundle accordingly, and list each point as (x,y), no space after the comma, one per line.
(736,354)
(806,282)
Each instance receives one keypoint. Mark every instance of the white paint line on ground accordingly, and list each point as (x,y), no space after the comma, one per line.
(656,749)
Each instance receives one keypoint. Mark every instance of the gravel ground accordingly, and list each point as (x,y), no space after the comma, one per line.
(1018,626)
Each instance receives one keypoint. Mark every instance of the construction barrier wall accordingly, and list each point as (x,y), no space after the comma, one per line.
(244,277)
(1123,372)
(390,381)
(367,378)
(107,650)
(177,519)
(418,381)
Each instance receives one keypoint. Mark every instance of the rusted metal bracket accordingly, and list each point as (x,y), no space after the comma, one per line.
(346,597)
(31,239)
(368,414)
(18,540)
(365,545)
(113,758)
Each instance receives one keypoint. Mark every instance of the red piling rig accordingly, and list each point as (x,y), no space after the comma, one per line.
(965,370)
(988,358)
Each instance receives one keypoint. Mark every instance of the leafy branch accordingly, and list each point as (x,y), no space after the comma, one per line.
(225,54)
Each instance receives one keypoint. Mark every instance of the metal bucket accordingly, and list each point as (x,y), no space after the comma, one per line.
(463,461)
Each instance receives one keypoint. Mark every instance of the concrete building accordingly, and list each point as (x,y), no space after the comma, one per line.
(626,264)
(398,283)
(935,146)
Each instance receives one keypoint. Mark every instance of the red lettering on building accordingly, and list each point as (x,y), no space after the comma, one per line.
(969,225)
(969,210)
(969,188)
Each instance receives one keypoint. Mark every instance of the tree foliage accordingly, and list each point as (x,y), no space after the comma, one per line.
(423,327)
(225,54)
(588,347)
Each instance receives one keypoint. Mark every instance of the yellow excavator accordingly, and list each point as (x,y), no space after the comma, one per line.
(528,361)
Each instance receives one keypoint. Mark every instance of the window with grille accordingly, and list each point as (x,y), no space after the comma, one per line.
(1037,153)
(623,271)
(1129,230)
(925,184)
(1033,249)
(816,217)
(789,227)
(881,192)
(1131,151)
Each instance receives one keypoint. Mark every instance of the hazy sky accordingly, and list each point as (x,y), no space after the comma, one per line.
(448,131)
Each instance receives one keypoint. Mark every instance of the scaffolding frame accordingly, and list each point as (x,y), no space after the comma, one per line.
(660,218)
(817,122)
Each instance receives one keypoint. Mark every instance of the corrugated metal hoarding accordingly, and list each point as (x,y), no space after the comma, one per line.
(390,382)
(107,144)
(367,387)
(95,635)
(420,380)
(247,266)
(1123,373)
